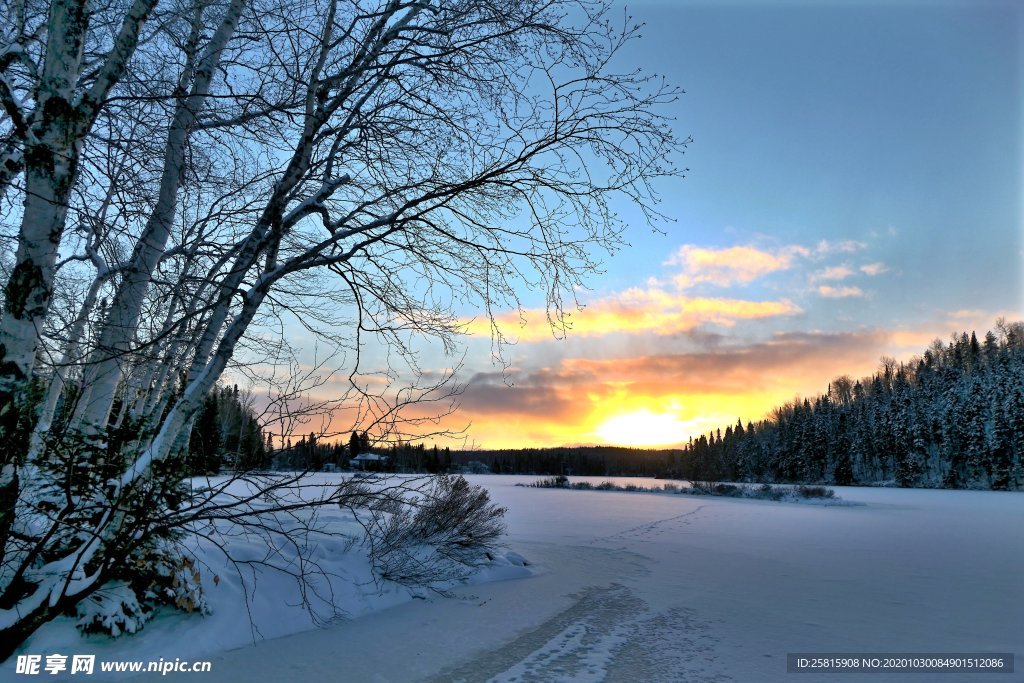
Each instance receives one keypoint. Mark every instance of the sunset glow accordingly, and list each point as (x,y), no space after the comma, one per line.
(650,311)
(641,428)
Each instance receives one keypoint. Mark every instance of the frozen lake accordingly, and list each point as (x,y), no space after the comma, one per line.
(648,587)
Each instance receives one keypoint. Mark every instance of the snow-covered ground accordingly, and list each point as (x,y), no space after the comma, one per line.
(658,587)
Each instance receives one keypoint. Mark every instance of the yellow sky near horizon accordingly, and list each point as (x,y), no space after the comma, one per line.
(662,399)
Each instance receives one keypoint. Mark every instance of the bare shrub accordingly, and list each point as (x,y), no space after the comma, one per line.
(558,482)
(814,492)
(702,487)
(769,492)
(437,531)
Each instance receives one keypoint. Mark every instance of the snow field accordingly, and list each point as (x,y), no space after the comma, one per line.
(643,587)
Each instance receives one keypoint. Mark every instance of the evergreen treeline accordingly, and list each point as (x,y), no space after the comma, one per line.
(599,461)
(226,435)
(310,453)
(406,457)
(952,418)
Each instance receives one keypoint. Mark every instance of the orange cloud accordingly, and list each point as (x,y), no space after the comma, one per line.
(651,310)
(659,400)
(662,399)
(664,307)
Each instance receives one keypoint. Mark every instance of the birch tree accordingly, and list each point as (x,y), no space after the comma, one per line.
(385,159)
(58,67)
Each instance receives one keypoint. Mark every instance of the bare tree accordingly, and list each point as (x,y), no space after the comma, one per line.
(841,390)
(357,167)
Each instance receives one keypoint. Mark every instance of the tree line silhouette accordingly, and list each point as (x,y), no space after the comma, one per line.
(953,417)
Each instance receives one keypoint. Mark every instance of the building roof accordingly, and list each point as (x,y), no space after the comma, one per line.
(369,457)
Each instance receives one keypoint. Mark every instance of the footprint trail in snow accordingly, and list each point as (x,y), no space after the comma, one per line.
(608,634)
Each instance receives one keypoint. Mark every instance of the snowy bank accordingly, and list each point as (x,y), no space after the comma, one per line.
(678,588)
(626,587)
(254,594)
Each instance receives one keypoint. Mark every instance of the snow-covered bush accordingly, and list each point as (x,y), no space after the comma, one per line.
(769,492)
(153,575)
(814,492)
(558,482)
(113,609)
(698,488)
(702,486)
(438,532)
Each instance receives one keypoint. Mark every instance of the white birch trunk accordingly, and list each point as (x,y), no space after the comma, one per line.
(106,369)
(59,124)
(58,383)
(198,387)
(51,162)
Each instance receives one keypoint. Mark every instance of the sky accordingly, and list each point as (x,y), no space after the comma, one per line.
(854,189)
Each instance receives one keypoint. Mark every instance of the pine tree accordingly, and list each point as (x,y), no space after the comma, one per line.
(205,442)
(1001,450)
(843,472)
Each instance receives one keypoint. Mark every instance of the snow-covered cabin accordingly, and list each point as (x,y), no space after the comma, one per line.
(368,461)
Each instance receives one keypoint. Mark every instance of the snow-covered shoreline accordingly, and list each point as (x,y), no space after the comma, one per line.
(253,596)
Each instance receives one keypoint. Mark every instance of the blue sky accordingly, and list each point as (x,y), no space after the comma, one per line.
(855,189)
(837,121)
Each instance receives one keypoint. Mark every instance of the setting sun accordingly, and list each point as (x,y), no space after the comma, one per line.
(643,428)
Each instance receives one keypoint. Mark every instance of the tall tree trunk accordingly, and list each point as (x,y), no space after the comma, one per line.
(45,412)
(106,369)
(59,124)
(50,165)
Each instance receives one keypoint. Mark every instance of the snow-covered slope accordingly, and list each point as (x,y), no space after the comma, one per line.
(255,596)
